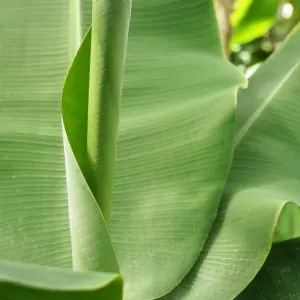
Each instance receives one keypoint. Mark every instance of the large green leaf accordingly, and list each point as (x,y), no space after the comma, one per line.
(174,146)
(252,19)
(175,140)
(259,203)
(279,279)
(38,40)
(29,282)
(34,223)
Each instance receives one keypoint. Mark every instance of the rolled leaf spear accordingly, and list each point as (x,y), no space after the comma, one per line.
(90,112)
(110,24)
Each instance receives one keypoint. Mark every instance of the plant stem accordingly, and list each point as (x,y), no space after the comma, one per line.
(110,25)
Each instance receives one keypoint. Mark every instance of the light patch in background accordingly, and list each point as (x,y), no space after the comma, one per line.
(286,10)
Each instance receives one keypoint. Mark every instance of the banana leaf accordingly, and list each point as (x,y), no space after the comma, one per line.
(175,135)
(96,187)
(260,201)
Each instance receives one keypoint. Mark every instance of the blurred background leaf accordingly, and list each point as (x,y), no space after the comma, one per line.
(253,29)
(252,19)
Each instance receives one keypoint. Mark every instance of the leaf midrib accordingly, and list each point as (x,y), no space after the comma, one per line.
(245,128)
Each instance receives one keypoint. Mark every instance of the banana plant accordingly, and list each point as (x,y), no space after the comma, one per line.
(129,170)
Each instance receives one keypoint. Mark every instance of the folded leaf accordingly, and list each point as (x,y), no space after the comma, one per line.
(91,245)
(30,282)
(90,111)
(260,200)
(39,41)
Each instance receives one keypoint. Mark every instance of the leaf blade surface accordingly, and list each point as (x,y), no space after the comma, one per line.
(260,202)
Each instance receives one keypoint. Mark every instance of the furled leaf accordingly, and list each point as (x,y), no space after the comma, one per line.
(252,19)
(20,281)
(91,245)
(175,141)
(279,279)
(259,204)
(110,24)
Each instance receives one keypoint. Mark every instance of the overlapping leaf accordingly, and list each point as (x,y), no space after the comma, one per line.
(38,41)
(176,133)
(175,141)
(174,151)
(90,110)
(30,282)
(260,201)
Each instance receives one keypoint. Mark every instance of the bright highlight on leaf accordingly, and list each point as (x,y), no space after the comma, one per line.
(152,173)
